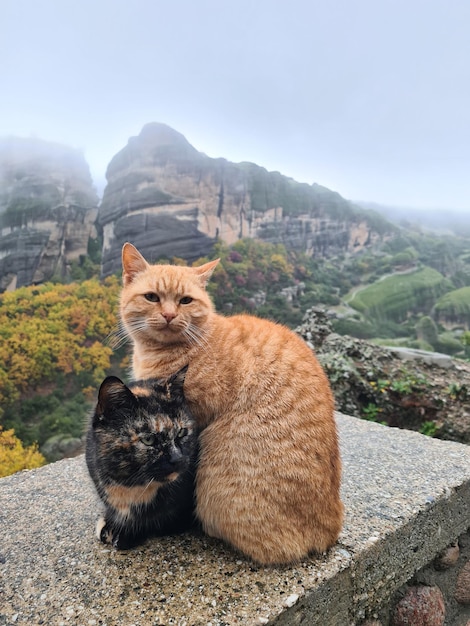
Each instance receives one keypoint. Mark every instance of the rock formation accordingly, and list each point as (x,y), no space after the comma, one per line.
(171,200)
(167,198)
(411,389)
(47,210)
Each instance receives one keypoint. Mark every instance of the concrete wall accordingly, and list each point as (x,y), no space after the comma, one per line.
(407,499)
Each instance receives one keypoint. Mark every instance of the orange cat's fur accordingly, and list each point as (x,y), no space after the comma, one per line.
(269,471)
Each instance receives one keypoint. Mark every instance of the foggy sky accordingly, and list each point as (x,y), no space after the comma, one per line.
(370,98)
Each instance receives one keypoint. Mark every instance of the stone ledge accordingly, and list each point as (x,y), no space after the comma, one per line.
(407,497)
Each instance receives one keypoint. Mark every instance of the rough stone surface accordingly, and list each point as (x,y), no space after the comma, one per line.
(169,200)
(445,579)
(447,558)
(397,520)
(47,210)
(371,381)
(462,590)
(60,447)
(421,606)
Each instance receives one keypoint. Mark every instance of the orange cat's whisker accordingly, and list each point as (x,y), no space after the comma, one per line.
(195,336)
(135,326)
(116,338)
(121,335)
(199,332)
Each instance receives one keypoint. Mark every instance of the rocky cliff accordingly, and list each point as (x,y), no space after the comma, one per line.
(171,200)
(48,208)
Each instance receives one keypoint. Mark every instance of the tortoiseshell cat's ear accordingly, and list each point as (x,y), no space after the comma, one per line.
(113,397)
(204,272)
(132,263)
(174,384)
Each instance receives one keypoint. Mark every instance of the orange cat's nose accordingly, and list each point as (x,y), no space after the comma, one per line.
(168,316)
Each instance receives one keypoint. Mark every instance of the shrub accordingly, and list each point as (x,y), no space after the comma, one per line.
(14,457)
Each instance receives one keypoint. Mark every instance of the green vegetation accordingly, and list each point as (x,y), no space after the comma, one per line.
(22,210)
(426,330)
(250,278)
(53,357)
(87,266)
(466,343)
(371,411)
(428,428)
(412,291)
(53,336)
(398,400)
(458,391)
(267,280)
(395,297)
(268,190)
(454,307)
(14,457)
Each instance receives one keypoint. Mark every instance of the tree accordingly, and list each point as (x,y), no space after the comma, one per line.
(466,342)
(426,330)
(53,347)
(14,457)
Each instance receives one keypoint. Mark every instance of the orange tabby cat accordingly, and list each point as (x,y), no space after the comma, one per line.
(269,471)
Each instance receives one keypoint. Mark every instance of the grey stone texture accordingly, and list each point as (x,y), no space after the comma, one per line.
(407,498)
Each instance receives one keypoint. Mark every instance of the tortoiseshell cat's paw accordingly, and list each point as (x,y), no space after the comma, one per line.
(119,539)
(104,532)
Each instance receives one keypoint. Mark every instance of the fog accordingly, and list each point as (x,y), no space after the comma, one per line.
(370,99)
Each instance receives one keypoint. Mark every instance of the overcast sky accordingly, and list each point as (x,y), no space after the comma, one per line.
(370,98)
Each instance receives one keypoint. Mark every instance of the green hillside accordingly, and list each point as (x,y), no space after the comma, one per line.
(395,297)
(454,307)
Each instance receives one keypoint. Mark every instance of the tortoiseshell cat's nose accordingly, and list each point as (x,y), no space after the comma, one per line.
(175,455)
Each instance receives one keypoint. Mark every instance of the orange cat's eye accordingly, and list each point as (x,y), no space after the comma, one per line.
(186,300)
(151,297)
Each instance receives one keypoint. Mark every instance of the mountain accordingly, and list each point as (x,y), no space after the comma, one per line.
(443,221)
(166,197)
(48,208)
(171,200)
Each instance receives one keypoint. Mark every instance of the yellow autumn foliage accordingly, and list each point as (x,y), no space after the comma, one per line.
(14,457)
(55,328)
(53,348)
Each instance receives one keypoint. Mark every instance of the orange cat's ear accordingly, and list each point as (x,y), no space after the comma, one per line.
(204,272)
(132,263)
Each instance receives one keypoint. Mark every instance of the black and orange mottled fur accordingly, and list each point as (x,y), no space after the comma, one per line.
(141,451)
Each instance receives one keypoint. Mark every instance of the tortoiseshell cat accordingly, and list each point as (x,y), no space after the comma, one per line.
(269,468)
(141,450)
